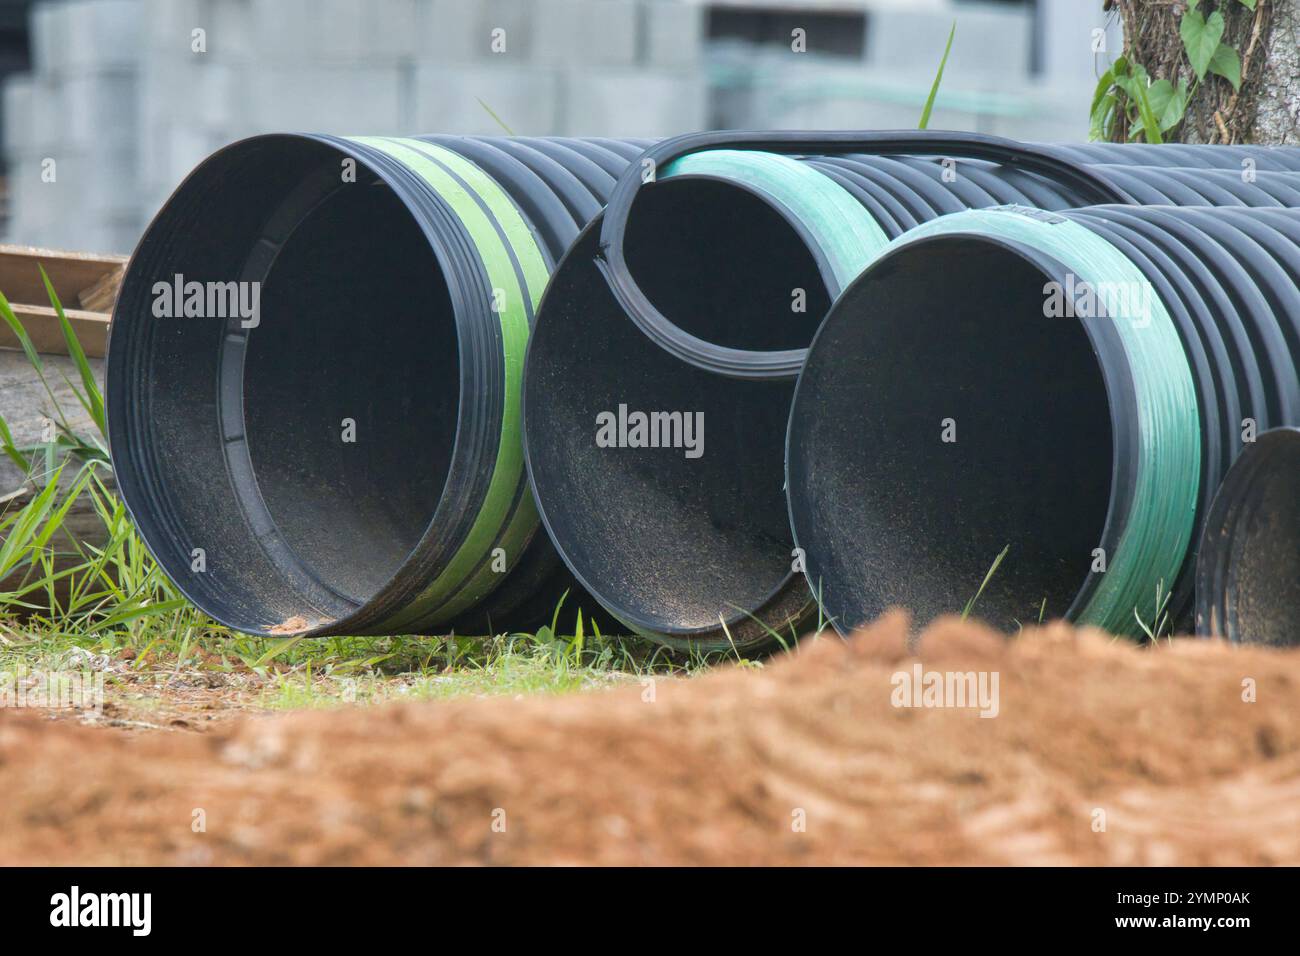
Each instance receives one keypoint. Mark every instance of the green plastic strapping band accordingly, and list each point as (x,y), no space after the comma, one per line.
(469,573)
(1153,545)
(843,230)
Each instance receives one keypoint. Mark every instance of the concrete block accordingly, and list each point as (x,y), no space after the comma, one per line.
(30,208)
(447,99)
(48,131)
(18,118)
(347,100)
(516,18)
(49,36)
(448,31)
(375,30)
(101,110)
(283,31)
(611,34)
(1068,32)
(633,103)
(231,39)
(222,97)
(672,33)
(101,35)
(169,86)
(106,180)
(168,25)
(602,32)
(992,44)
(453,31)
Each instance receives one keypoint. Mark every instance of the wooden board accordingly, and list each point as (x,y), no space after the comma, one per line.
(86,284)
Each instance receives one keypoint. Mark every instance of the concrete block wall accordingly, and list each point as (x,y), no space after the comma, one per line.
(989,83)
(70,128)
(126,98)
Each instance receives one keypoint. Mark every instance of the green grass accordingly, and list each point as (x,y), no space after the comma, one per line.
(114,610)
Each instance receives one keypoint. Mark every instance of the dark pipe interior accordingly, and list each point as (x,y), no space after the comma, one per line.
(891,515)
(355,323)
(670,542)
(1264,577)
(723,265)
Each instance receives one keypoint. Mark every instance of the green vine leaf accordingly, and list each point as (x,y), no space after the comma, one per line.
(1227,64)
(1248,4)
(1168,102)
(1201,39)
(1136,84)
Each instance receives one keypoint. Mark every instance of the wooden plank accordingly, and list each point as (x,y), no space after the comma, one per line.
(42,325)
(87,286)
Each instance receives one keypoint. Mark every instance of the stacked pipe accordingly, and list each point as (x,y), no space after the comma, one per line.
(1248,571)
(348,459)
(1088,440)
(304,474)
(698,551)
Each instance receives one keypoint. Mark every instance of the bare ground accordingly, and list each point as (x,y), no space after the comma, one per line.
(805,761)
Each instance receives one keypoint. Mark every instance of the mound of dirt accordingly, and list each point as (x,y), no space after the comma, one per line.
(1099,753)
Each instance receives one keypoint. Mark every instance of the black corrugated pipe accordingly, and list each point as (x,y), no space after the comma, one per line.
(1188,155)
(719,278)
(314,373)
(1248,571)
(1071,387)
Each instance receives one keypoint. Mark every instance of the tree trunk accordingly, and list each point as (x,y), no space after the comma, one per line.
(1277,111)
(1266,110)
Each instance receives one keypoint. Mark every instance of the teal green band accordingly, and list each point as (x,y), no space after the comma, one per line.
(1153,544)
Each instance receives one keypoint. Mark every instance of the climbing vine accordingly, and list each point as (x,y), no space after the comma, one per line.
(1185,73)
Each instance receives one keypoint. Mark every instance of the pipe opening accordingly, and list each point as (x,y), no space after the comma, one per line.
(238,438)
(724,265)
(1262,592)
(948,339)
(669,543)
(358,282)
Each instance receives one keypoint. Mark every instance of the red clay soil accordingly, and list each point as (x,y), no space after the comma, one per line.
(805,761)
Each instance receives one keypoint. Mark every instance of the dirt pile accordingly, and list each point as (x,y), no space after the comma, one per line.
(1099,753)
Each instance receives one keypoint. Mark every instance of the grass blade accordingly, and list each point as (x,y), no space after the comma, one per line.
(938,79)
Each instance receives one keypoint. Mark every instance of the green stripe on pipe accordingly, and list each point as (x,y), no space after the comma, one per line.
(490,528)
(844,231)
(1154,543)
(527,248)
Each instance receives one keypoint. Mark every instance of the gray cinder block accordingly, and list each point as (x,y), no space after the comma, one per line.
(991,44)
(567,32)
(633,103)
(18,117)
(448,31)
(353,99)
(100,110)
(99,35)
(375,30)
(451,99)
(672,33)
(516,17)
(283,30)
(168,25)
(47,133)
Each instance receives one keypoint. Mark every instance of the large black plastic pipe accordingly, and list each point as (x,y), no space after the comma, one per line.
(1051,435)
(1248,570)
(347,458)
(697,552)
